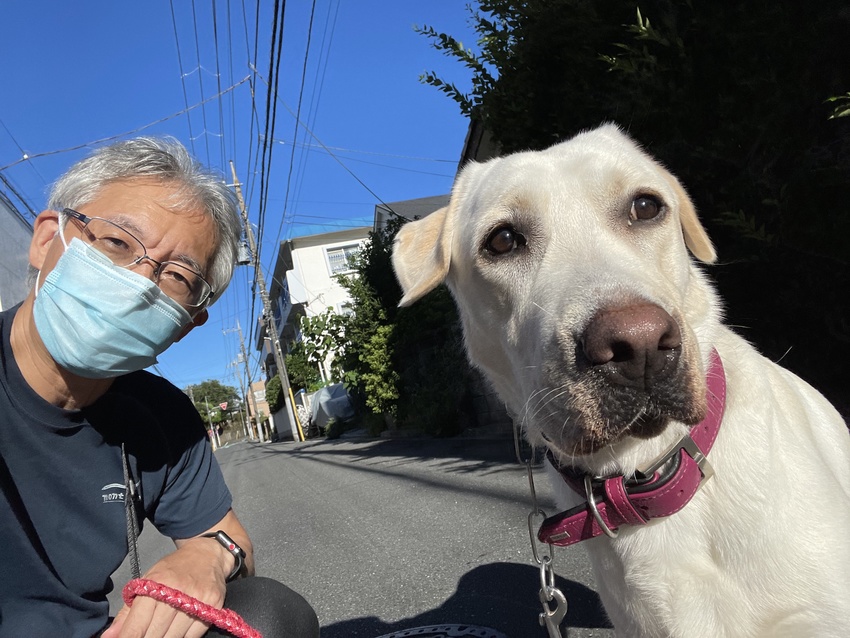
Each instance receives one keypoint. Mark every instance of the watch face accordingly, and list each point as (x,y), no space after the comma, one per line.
(229,544)
(238,553)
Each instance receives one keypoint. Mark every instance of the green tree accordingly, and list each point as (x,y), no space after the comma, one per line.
(274,394)
(405,362)
(303,375)
(368,354)
(208,397)
(323,337)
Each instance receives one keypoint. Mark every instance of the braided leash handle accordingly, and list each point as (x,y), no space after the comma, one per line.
(225,619)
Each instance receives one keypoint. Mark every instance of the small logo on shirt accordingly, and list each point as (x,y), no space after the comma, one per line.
(113,493)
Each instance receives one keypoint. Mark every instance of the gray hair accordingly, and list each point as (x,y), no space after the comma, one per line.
(168,160)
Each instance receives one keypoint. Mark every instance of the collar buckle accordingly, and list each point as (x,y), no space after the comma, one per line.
(693,450)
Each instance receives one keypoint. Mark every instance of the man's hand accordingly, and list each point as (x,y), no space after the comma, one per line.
(198,568)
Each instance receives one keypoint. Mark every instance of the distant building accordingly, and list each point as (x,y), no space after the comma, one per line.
(258,389)
(409,209)
(304,276)
(15,241)
(304,283)
(258,408)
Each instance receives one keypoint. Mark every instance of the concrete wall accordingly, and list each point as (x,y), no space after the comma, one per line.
(15,237)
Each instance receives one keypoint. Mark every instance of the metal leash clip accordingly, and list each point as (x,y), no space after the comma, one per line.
(549,618)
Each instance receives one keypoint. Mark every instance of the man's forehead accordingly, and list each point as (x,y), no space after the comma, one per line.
(153,208)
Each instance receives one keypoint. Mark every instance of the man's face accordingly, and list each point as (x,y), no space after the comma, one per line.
(143,207)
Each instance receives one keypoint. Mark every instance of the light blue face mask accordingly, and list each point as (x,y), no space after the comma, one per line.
(98,320)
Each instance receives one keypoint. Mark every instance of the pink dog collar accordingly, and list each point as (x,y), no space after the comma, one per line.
(617,501)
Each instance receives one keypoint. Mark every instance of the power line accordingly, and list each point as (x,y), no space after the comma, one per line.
(271,111)
(297,117)
(182,77)
(218,85)
(230,48)
(20,197)
(120,135)
(200,81)
(23,154)
(334,156)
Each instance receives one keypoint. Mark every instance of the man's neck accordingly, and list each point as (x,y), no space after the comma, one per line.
(51,382)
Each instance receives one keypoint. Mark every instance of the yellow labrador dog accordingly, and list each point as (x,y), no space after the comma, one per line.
(712,485)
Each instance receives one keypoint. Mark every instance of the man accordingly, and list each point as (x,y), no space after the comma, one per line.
(137,242)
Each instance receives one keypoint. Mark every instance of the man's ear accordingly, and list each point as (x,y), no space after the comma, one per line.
(198,320)
(44,230)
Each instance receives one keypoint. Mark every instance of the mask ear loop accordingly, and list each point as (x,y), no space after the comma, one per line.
(63,221)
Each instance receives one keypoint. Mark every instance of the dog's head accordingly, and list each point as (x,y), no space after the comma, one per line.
(577,295)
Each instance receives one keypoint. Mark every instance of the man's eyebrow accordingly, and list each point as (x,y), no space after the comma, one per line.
(191,262)
(127,223)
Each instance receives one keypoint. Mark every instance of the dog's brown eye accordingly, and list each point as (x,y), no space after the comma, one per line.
(645,207)
(503,240)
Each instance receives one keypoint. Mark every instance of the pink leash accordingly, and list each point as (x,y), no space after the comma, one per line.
(225,619)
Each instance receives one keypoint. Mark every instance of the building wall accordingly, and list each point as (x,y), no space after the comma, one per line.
(312,281)
(258,389)
(14,258)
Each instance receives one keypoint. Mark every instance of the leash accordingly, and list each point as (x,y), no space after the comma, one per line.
(661,490)
(225,619)
(552,616)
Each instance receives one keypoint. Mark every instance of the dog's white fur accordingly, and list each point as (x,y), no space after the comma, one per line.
(762,549)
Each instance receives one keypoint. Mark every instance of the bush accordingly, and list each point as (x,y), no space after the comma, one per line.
(274,394)
(334,428)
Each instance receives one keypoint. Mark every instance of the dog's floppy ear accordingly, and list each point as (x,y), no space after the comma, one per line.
(421,255)
(696,239)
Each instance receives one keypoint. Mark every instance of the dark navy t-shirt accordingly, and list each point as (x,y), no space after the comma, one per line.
(62,519)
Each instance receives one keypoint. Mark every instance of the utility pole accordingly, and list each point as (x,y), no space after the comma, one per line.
(213,430)
(250,393)
(212,434)
(243,411)
(271,327)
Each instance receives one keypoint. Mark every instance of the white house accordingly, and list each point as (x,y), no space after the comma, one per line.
(15,237)
(304,282)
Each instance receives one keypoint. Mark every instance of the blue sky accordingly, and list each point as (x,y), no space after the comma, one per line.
(74,73)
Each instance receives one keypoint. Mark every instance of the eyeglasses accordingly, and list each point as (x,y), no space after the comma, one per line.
(180,282)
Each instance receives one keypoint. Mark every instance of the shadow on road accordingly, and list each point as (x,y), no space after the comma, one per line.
(500,596)
(477,454)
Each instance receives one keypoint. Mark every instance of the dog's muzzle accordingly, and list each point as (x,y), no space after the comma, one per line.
(661,490)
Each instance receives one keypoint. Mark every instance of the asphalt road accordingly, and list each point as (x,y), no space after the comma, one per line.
(383,536)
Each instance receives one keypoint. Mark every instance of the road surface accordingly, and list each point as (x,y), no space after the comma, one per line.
(387,535)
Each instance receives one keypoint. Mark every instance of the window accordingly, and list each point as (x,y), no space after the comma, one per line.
(260,395)
(340,259)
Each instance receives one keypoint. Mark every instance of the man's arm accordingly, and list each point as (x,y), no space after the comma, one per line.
(231,526)
(198,567)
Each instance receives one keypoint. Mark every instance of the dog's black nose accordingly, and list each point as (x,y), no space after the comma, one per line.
(636,345)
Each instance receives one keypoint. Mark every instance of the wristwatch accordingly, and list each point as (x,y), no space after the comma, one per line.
(230,545)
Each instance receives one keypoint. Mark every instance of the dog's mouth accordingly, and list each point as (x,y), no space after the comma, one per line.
(647,426)
(615,381)
(581,428)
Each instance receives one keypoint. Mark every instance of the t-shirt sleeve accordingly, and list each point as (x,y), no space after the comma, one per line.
(182,484)
(195,496)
